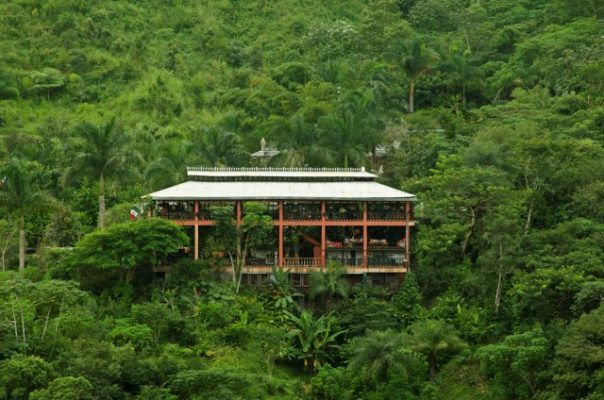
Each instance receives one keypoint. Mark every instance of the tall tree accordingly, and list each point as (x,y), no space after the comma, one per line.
(169,167)
(238,240)
(20,191)
(101,152)
(220,149)
(299,143)
(416,60)
(349,133)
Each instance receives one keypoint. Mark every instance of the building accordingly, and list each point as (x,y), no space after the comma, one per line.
(319,215)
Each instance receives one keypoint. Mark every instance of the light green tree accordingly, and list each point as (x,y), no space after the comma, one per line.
(416,60)
(127,246)
(65,387)
(20,192)
(313,337)
(100,152)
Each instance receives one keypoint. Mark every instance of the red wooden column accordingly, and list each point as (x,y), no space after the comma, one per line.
(407,234)
(196,231)
(280,233)
(323,233)
(238,206)
(365,235)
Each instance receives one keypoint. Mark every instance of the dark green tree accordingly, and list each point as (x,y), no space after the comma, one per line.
(408,300)
(377,354)
(434,339)
(579,362)
(329,284)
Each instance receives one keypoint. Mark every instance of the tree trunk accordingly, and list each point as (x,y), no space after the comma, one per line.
(46,321)
(432,365)
(22,323)
(529,216)
(12,304)
(238,264)
(411,95)
(22,244)
(499,280)
(466,241)
(101,202)
(233,267)
(6,246)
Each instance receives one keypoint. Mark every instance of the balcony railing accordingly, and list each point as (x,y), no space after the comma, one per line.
(301,211)
(176,215)
(302,262)
(344,211)
(347,262)
(385,262)
(302,215)
(377,215)
(260,262)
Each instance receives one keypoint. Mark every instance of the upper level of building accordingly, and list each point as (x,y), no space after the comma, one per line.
(281,184)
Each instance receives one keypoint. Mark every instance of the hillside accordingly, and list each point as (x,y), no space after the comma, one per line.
(491,111)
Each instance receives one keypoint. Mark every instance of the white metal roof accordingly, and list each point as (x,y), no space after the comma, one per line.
(282,190)
(336,173)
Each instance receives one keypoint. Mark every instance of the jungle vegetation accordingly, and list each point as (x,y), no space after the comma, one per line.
(491,111)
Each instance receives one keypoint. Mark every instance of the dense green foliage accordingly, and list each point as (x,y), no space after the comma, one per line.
(492,112)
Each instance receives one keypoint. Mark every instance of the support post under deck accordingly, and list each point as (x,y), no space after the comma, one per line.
(196,231)
(323,234)
(365,235)
(407,234)
(280,233)
(238,207)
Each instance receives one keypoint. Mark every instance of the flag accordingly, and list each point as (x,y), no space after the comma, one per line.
(134,212)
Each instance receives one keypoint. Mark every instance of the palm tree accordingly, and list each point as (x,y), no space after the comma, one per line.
(416,61)
(349,133)
(299,143)
(220,149)
(330,283)
(101,151)
(20,192)
(436,340)
(314,337)
(170,165)
(375,355)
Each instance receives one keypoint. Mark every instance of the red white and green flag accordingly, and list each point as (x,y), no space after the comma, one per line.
(135,211)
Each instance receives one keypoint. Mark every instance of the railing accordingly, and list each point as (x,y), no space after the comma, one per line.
(271,169)
(347,262)
(342,211)
(385,216)
(259,262)
(301,215)
(176,215)
(346,244)
(302,262)
(385,262)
